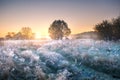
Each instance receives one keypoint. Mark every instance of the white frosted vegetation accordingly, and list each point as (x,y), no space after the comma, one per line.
(79,59)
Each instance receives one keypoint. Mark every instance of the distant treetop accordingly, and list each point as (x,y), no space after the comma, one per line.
(59,29)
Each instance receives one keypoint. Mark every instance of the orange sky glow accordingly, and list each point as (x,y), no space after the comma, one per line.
(80,15)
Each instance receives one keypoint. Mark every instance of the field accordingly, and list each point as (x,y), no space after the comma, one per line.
(79,59)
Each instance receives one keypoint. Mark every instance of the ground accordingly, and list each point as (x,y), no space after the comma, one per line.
(79,59)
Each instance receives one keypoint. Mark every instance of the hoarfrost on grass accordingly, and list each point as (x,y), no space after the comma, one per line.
(78,59)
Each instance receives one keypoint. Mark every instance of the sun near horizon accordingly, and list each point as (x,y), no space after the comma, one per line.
(38,36)
(80,15)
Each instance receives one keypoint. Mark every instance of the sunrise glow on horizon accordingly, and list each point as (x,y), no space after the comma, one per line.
(80,15)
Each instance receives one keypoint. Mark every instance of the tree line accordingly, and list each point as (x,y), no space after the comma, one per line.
(24,33)
(106,30)
(57,30)
(109,30)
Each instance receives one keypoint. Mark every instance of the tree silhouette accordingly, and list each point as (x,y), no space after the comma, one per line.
(116,28)
(109,30)
(10,35)
(105,29)
(59,29)
(26,33)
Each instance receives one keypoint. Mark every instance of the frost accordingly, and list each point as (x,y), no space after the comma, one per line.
(80,59)
(63,75)
(29,54)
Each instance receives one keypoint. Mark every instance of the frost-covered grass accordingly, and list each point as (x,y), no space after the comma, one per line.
(81,59)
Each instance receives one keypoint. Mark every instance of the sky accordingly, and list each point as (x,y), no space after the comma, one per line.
(80,15)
